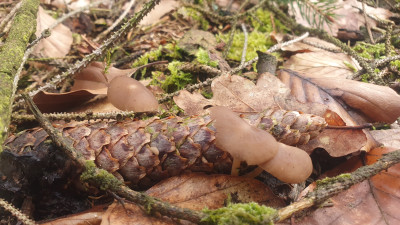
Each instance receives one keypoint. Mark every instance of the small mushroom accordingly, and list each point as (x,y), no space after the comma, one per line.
(258,147)
(128,94)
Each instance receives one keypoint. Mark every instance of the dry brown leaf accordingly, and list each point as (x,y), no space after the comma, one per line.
(375,201)
(322,63)
(348,16)
(389,138)
(91,217)
(159,11)
(377,103)
(242,95)
(355,102)
(128,213)
(197,191)
(60,41)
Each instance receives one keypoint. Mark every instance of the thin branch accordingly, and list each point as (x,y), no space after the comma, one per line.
(110,28)
(367,24)
(244,44)
(15,212)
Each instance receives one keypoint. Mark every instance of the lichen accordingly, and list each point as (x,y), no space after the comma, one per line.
(99,177)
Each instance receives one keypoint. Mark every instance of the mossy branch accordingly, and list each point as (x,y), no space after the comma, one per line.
(11,55)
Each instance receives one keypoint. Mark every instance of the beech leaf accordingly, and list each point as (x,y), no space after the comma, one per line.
(197,191)
(60,41)
(374,201)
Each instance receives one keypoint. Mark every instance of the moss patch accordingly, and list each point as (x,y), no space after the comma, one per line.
(249,213)
(99,177)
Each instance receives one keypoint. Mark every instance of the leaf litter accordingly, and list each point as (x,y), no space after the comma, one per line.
(244,96)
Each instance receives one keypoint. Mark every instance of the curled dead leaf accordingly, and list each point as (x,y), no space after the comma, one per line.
(60,41)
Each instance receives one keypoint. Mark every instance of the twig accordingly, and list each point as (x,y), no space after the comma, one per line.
(28,51)
(110,28)
(244,44)
(367,24)
(20,118)
(15,212)
(338,184)
(388,36)
(231,37)
(7,18)
(112,184)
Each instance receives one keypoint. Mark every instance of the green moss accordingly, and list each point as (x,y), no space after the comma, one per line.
(249,213)
(177,80)
(256,41)
(330,180)
(207,94)
(395,63)
(370,51)
(266,24)
(350,66)
(203,58)
(149,56)
(197,17)
(172,50)
(100,177)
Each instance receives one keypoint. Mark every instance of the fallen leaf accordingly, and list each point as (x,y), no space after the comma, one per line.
(355,102)
(60,41)
(374,201)
(159,11)
(92,216)
(348,16)
(389,138)
(322,63)
(242,95)
(197,191)
(373,103)
(129,213)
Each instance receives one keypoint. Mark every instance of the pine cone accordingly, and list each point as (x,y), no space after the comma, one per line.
(147,151)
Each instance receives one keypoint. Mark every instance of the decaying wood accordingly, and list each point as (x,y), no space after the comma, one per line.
(144,152)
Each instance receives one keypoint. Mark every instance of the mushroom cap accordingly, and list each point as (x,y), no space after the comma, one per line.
(290,165)
(240,139)
(128,94)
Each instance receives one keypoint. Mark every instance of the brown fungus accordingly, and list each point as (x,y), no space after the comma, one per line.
(128,94)
(258,147)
